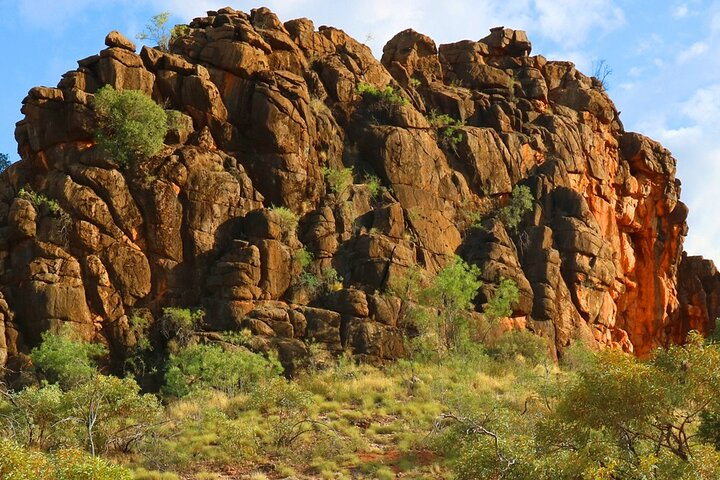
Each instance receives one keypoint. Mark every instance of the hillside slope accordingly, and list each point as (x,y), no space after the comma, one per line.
(598,258)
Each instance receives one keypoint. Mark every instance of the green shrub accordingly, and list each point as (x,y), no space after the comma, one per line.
(33,417)
(179,31)
(72,464)
(111,414)
(65,359)
(500,304)
(17,463)
(204,367)
(177,325)
(286,218)
(374,185)
(520,203)
(131,125)
(451,292)
(4,162)
(157,31)
(43,204)
(447,127)
(339,179)
(303,258)
(380,103)
(385,94)
(519,343)
(178,121)
(327,281)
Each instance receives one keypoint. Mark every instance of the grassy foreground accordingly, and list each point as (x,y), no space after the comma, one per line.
(481,413)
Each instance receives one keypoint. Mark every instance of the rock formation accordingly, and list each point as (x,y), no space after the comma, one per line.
(598,258)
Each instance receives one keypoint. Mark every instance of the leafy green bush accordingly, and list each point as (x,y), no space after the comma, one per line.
(327,281)
(43,204)
(451,292)
(447,128)
(500,304)
(286,218)
(18,463)
(177,325)
(33,417)
(101,414)
(4,162)
(110,413)
(339,179)
(380,103)
(519,343)
(157,31)
(204,367)
(303,258)
(65,359)
(374,185)
(73,464)
(178,121)
(131,125)
(521,201)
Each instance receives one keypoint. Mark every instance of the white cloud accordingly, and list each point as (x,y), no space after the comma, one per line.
(635,72)
(695,50)
(694,145)
(571,21)
(681,11)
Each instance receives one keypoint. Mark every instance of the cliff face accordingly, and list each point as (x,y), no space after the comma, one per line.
(597,259)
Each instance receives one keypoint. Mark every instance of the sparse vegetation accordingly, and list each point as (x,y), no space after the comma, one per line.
(447,127)
(339,180)
(158,32)
(507,413)
(520,202)
(210,367)
(43,204)
(286,219)
(501,303)
(602,71)
(451,292)
(374,185)
(4,162)
(131,125)
(380,104)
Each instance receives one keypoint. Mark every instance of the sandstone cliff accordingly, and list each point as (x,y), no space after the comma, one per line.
(599,258)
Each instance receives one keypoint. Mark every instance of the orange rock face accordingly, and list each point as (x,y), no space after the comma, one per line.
(269,105)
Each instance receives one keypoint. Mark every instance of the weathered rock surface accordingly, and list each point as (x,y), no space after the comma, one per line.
(597,260)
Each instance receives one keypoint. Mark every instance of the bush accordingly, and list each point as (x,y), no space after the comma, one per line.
(65,359)
(447,128)
(4,162)
(179,324)
(380,103)
(42,204)
(71,464)
(519,343)
(110,413)
(339,179)
(131,125)
(520,203)
(374,185)
(286,218)
(451,292)
(303,258)
(204,367)
(157,31)
(17,463)
(500,304)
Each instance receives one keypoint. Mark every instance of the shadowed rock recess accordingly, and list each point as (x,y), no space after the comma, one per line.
(598,258)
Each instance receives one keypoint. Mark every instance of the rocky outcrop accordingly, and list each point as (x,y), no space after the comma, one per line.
(268,106)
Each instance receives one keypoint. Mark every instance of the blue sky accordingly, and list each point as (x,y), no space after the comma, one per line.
(665,68)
